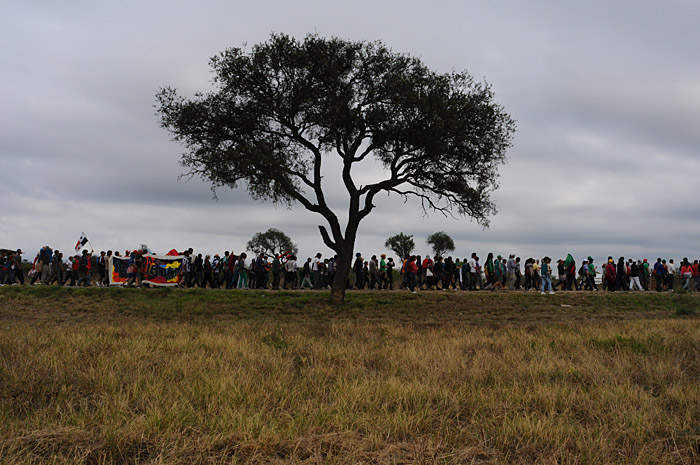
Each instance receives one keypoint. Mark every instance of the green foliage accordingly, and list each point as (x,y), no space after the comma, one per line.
(441,243)
(402,244)
(271,242)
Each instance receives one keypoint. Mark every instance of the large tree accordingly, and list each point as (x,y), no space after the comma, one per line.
(279,110)
(402,244)
(271,242)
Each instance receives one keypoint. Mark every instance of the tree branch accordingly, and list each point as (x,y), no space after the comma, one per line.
(327,239)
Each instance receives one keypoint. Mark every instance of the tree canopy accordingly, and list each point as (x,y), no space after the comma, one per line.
(402,244)
(279,110)
(272,242)
(441,243)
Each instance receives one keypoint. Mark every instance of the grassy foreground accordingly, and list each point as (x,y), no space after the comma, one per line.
(171,376)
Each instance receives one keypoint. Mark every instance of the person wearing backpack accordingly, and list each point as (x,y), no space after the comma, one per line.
(634,277)
(546,276)
(242,271)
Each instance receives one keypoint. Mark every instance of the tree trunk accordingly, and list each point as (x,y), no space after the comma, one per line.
(342,271)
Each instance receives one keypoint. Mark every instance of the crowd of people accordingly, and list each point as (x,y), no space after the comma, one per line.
(413,273)
(514,274)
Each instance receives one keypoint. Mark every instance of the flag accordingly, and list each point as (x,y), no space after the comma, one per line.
(81,242)
(569,260)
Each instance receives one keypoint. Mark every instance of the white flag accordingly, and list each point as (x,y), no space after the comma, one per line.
(81,242)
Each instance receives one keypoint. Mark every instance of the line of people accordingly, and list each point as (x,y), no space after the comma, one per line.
(49,267)
(501,273)
(414,272)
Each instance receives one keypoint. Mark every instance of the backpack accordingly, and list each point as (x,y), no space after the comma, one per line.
(83,263)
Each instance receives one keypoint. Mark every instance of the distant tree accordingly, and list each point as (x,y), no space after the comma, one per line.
(401,244)
(441,243)
(272,242)
(281,109)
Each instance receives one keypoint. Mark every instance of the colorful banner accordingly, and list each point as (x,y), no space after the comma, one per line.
(157,270)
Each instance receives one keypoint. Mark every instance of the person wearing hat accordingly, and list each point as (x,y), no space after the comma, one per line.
(610,275)
(634,277)
(561,275)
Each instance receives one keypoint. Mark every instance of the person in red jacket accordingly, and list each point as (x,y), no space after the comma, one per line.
(610,275)
(412,269)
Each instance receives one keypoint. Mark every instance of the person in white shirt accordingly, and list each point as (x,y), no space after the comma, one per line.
(316,268)
(473,272)
(670,276)
(290,271)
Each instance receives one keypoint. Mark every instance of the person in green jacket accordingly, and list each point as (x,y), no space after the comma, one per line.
(490,275)
(592,274)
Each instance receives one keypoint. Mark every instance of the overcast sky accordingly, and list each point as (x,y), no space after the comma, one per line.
(606,96)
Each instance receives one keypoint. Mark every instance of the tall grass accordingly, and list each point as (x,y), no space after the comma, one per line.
(90,377)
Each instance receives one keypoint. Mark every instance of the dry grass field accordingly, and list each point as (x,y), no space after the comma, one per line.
(112,376)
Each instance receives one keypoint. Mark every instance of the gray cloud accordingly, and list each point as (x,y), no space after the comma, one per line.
(606,96)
